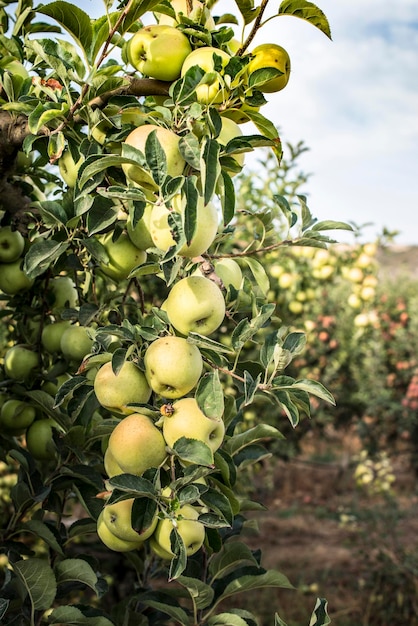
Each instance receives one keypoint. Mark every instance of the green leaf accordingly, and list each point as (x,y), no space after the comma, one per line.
(36,580)
(190,211)
(306,11)
(218,503)
(74,20)
(193,451)
(155,158)
(179,561)
(41,255)
(207,343)
(227,198)
(47,404)
(259,273)
(201,593)
(331,225)
(71,615)
(209,395)
(320,615)
(261,432)
(271,578)
(233,555)
(313,387)
(41,530)
(247,10)
(143,514)
(166,604)
(227,619)
(137,486)
(77,570)
(210,167)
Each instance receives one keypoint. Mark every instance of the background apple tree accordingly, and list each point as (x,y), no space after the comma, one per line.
(120,230)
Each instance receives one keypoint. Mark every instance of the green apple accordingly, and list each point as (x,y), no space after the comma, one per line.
(140,233)
(117,517)
(20,363)
(286,280)
(76,343)
(52,384)
(115,391)
(136,444)
(195,304)
(199,14)
(123,255)
(64,293)
(12,244)
(172,366)
(69,168)
(110,465)
(229,272)
(39,439)
(212,89)
(158,51)
(113,542)
(170,144)
(230,130)
(51,335)
(189,528)
(187,420)
(15,416)
(207,222)
(295,307)
(13,279)
(271,55)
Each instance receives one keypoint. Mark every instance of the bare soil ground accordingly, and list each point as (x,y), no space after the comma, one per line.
(334,541)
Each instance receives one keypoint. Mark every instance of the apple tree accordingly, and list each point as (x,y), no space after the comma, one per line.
(127,302)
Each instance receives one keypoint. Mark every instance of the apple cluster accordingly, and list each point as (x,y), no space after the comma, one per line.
(141,384)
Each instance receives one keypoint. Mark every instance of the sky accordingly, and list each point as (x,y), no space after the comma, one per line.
(354,103)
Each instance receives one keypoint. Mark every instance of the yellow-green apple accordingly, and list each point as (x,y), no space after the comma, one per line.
(271,55)
(367,293)
(187,420)
(189,528)
(195,304)
(118,516)
(231,130)
(15,416)
(229,272)
(370,248)
(116,391)
(123,255)
(364,260)
(13,279)
(324,272)
(173,366)
(170,144)
(64,293)
(76,342)
(354,301)
(136,444)
(207,222)
(39,439)
(140,233)
(52,384)
(199,14)
(51,335)
(212,89)
(295,307)
(109,463)
(113,542)
(12,244)
(286,280)
(20,363)
(69,168)
(159,51)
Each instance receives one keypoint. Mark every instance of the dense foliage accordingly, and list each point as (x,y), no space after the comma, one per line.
(112,174)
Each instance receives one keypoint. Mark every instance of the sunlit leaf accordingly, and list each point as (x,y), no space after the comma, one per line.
(306,11)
